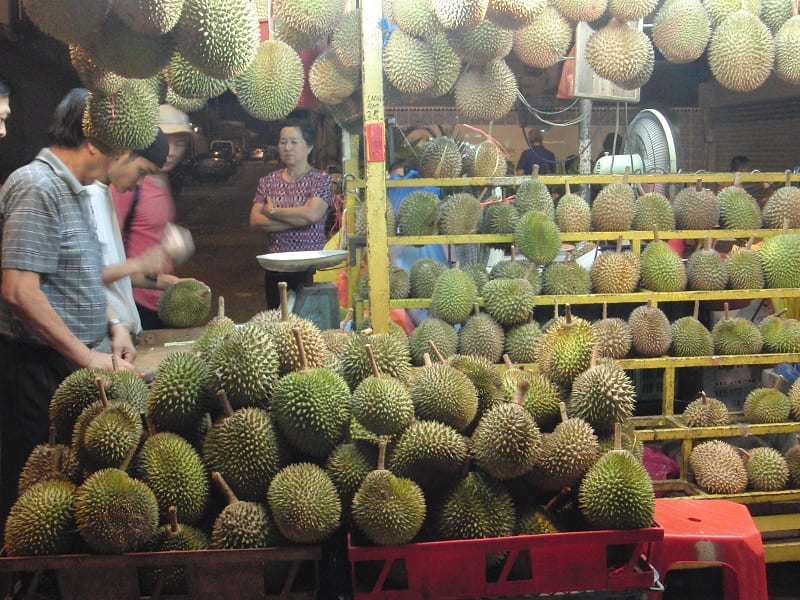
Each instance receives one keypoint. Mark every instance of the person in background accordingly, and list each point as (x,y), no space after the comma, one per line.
(53,310)
(5,106)
(536,154)
(291,204)
(143,214)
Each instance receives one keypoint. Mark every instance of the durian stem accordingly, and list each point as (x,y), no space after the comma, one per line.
(58,463)
(51,437)
(513,253)
(640,189)
(523,385)
(382,454)
(788,178)
(786,223)
(173,519)
(466,467)
(101,388)
(535,172)
(727,311)
(476,310)
(426,358)
(626,176)
(566,188)
(780,312)
(708,243)
(737,179)
(282,289)
(778,381)
(220,307)
(371,354)
(529,272)
(567,315)
(457,265)
(655,235)
(366,331)
(696,311)
(126,462)
(617,436)
(151,426)
(604,316)
(703,397)
(562,408)
(227,409)
(435,350)
(507,362)
(301,348)
(224,487)
(114,362)
(595,355)
(618,249)
(744,452)
(750,242)
(564,491)
(699,185)
(650,302)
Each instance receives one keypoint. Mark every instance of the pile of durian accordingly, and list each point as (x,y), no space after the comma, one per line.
(272,433)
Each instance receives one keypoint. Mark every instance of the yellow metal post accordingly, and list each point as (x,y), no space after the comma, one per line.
(375,166)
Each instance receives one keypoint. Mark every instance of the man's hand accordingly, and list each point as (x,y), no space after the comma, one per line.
(153,261)
(122,343)
(100,360)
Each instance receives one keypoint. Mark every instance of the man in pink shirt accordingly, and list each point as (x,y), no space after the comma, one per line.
(144,213)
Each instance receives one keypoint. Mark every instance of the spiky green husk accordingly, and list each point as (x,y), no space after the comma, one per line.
(650,331)
(787,43)
(744,269)
(482,43)
(653,211)
(152,18)
(681,30)
(718,468)
(767,470)
(418,213)
(485,160)
(389,510)
(409,63)
(391,354)
(565,350)
(573,214)
(521,342)
(346,39)
(532,194)
(565,279)
(486,93)
(696,209)
(126,119)
(348,465)
(460,214)
(515,269)
(330,81)
(93,76)
(244,525)
(509,301)
(314,17)
(794,401)
(738,209)
(736,336)
(57,18)
(792,457)
(178,395)
(114,513)
(415,17)
(537,237)
(382,405)
(166,540)
(541,400)
(442,393)
(190,82)
(719,10)
(662,269)
(741,52)
(103,436)
(247,451)
(185,304)
(454,296)
(482,336)
(766,405)
(784,203)
(483,375)
(614,207)
(439,332)
(212,336)
(282,335)
(460,15)
(479,275)
(399,283)
(691,338)
(544,41)
(424,273)
(616,272)
(614,337)
(41,520)
(602,396)
(705,412)
(631,10)
(616,493)
(304,503)
(566,455)
(498,218)
(779,256)
(706,270)
(428,452)
(532,520)
(44,463)
(507,441)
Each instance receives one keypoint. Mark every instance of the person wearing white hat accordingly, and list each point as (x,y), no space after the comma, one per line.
(145,212)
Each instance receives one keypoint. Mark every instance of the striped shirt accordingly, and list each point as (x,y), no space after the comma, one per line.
(46,227)
(296,193)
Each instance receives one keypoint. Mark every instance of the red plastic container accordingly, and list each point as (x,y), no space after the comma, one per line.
(534,564)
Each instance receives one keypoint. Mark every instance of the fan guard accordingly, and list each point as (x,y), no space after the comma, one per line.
(649,135)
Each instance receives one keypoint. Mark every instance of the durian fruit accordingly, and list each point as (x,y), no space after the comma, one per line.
(423,275)
(650,330)
(506,443)
(662,268)
(348,465)
(613,335)
(705,412)
(565,349)
(744,268)
(313,18)
(788,339)
(479,275)
(298,40)
(346,39)
(440,332)
(409,63)
(615,272)
(478,507)
(270,87)
(706,269)
(537,237)
(482,43)
(460,214)
(185,304)
(718,468)
(770,328)
(614,207)
(460,15)
(498,218)
(216,330)
(792,457)
(737,208)
(246,448)
(719,10)
(767,470)
(521,340)
(388,509)
(603,395)
(541,399)
(128,53)
(172,537)
(429,452)
(190,82)
(127,118)
(454,295)
(565,278)
(311,406)
(330,81)
(779,260)
(653,211)
(448,65)
(774,13)
(784,203)
(581,10)
(93,76)
(173,470)
(619,53)
(246,366)
(219,37)
(681,30)
(690,337)
(512,269)
(486,93)
(736,336)
(616,492)
(415,17)
(391,354)
(644,73)
(545,41)
(242,524)
(534,520)
(56,18)
(696,207)
(509,301)
(741,52)
(399,283)
(382,404)
(766,405)
(484,376)
(46,462)
(514,14)
(630,10)
(440,158)
(418,213)
(487,159)
(572,212)
(630,442)
(481,336)
(147,17)
(115,513)
(443,393)
(304,503)
(532,194)
(41,520)
(566,454)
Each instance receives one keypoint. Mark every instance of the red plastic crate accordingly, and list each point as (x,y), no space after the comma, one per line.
(534,564)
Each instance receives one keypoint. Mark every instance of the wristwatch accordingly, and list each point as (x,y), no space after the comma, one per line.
(113,322)
(272,211)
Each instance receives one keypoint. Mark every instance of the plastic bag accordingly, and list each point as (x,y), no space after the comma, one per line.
(566,85)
